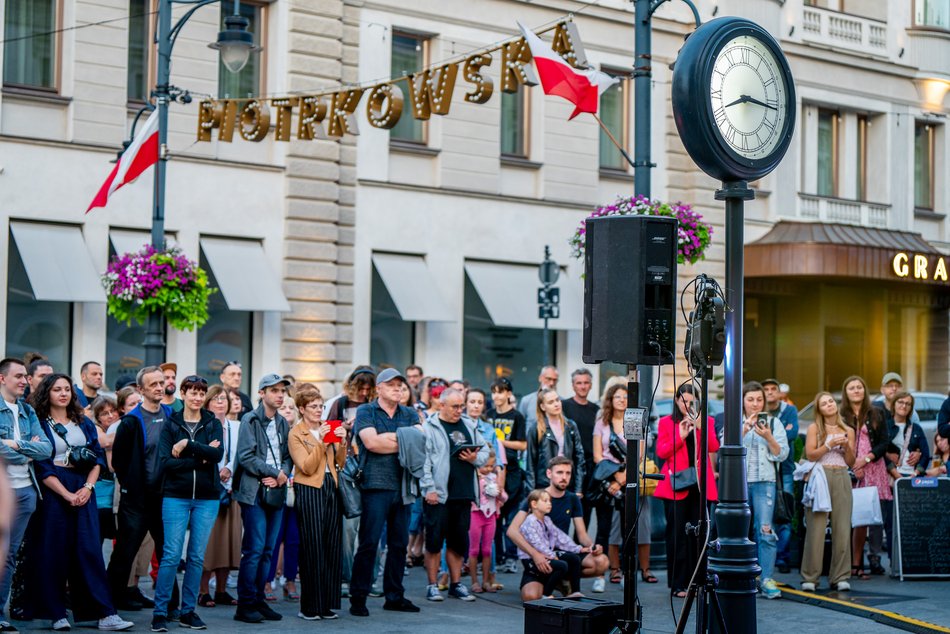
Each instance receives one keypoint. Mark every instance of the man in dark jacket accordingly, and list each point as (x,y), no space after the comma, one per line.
(263,460)
(137,468)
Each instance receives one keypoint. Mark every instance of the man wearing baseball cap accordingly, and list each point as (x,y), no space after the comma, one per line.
(788,416)
(263,460)
(891,384)
(375,432)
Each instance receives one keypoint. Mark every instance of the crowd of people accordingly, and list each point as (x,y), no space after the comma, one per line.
(191,477)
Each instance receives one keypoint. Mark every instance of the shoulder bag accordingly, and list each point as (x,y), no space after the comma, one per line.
(273,498)
(350,478)
(81,458)
(784,511)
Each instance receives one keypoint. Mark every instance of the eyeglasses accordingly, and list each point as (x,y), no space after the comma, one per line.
(194,378)
(459,406)
(220,399)
(904,403)
(437,383)
(315,406)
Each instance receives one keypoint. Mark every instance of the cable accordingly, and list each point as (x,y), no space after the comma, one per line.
(76,27)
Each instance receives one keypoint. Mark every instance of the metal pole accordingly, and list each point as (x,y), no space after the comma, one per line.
(544,349)
(154,328)
(642,109)
(631,508)
(733,556)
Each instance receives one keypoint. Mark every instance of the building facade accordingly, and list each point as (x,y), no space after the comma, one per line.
(421,244)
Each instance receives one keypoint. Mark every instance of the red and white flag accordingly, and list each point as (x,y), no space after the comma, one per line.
(581,87)
(138,157)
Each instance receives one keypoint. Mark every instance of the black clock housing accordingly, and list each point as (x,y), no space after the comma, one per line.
(692,105)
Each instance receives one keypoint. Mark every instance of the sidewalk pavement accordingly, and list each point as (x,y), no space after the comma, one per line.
(502,613)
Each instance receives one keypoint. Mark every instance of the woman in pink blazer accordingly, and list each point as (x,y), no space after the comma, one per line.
(677,444)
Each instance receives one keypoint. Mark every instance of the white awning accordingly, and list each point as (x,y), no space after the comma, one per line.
(57,262)
(510,294)
(128,241)
(244,276)
(412,287)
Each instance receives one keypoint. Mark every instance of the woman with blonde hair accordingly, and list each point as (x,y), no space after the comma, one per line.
(830,444)
(318,454)
(554,435)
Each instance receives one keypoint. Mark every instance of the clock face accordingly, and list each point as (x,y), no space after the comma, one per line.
(749,97)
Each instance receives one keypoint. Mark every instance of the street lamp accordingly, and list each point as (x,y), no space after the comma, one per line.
(235,44)
(548,298)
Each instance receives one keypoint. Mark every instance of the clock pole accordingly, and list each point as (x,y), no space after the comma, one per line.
(733,558)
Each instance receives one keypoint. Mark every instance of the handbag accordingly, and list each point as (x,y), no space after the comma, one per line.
(82,458)
(600,480)
(784,509)
(273,498)
(685,478)
(866,507)
(349,486)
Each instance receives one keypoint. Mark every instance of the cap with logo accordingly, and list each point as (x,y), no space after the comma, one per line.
(269,380)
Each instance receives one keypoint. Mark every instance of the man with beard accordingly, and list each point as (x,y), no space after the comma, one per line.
(565,510)
(170,372)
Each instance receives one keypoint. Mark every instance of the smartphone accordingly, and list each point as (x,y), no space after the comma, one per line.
(762,419)
(331,435)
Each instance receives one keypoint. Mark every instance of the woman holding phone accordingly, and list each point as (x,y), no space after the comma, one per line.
(318,453)
(766,446)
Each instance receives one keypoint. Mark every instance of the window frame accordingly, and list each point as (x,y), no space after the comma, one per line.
(150,58)
(861,167)
(57,54)
(923,25)
(626,82)
(424,42)
(526,125)
(835,152)
(931,132)
(262,7)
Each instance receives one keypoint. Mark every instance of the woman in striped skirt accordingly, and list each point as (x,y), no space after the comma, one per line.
(317,452)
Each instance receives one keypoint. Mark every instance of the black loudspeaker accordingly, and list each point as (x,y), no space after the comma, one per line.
(579,615)
(630,290)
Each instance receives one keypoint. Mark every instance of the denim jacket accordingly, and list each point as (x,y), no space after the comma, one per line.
(760,461)
(30,450)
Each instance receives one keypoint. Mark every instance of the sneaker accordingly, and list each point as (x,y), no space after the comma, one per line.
(600,585)
(115,623)
(358,608)
(193,621)
(301,615)
(401,605)
(62,625)
(510,566)
(345,590)
(843,586)
(433,594)
(247,614)
(460,591)
(7,628)
(376,591)
(174,615)
(770,589)
(808,586)
(329,615)
(267,612)
(159,623)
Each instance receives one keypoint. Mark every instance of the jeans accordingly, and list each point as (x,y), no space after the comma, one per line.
(180,515)
(784,531)
(381,508)
(261,526)
(351,528)
(25,505)
(762,500)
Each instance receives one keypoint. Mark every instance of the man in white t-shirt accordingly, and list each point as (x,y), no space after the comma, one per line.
(22,441)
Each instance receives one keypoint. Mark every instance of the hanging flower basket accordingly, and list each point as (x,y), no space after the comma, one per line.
(150,281)
(693,235)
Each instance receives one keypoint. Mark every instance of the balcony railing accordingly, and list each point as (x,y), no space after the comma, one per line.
(840,30)
(853,212)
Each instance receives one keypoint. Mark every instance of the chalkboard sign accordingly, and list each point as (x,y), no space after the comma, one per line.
(922,520)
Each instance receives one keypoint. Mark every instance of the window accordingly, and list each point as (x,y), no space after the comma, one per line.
(827,153)
(514,123)
(861,166)
(409,55)
(35,326)
(932,13)
(249,80)
(614,112)
(139,46)
(392,340)
(924,166)
(29,44)
(490,351)
(225,337)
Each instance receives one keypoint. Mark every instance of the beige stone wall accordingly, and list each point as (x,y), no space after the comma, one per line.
(316,338)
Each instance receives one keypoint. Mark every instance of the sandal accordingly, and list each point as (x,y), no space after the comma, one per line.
(223,598)
(477,588)
(291,595)
(679,594)
(647,577)
(858,573)
(205,601)
(615,575)
(492,587)
(270,597)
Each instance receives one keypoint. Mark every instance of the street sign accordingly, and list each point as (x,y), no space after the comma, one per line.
(549,311)
(549,295)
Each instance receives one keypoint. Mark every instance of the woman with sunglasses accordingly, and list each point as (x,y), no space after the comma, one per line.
(224,546)
(188,452)
(67,549)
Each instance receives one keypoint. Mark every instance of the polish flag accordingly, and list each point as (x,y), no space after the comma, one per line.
(581,87)
(138,157)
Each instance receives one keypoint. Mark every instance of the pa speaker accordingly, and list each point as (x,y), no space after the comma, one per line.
(630,289)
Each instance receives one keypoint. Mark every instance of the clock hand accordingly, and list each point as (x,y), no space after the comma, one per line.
(741,99)
(759,103)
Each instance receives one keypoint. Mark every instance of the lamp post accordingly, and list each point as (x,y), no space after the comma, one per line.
(548,298)
(235,44)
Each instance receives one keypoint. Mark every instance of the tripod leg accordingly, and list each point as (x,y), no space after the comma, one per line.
(687,606)
(716,609)
(702,611)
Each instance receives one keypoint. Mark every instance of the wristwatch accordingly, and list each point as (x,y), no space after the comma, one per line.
(867,460)
(89,486)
